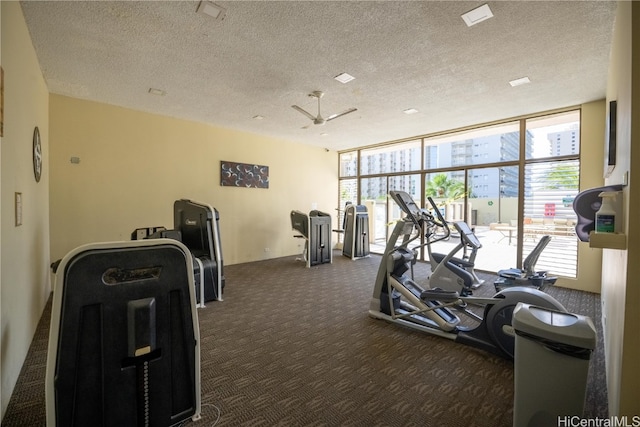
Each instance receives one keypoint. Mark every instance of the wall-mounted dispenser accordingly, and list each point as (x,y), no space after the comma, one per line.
(600,220)
(586,204)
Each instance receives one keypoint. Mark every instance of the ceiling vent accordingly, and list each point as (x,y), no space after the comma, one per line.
(211,9)
(344,78)
(477,15)
(520,81)
(157,92)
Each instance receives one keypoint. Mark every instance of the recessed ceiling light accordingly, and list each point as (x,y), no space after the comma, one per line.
(410,111)
(477,15)
(158,92)
(520,81)
(324,134)
(344,78)
(215,11)
(258,117)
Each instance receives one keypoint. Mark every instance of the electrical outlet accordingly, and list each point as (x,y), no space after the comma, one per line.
(267,250)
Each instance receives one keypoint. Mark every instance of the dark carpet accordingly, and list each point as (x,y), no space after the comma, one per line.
(291,346)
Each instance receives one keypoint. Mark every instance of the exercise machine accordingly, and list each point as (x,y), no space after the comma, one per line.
(398,299)
(197,225)
(527,275)
(315,229)
(356,232)
(199,228)
(124,343)
(440,263)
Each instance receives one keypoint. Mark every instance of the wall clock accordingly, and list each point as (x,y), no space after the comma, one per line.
(37,154)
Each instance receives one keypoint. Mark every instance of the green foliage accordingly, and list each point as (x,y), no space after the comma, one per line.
(562,177)
(443,187)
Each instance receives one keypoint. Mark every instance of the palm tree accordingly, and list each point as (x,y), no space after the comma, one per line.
(442,187)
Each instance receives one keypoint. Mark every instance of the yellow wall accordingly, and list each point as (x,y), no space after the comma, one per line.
(1,107)
(24,250)
(630,384)
(134,165)
(591,160)
(620,268)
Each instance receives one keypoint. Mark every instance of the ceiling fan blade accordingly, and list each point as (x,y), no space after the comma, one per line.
(335,116)
(295,107)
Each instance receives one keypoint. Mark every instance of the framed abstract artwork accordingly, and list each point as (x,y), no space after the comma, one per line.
(246,175)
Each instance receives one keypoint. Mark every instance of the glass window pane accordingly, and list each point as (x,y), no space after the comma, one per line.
(552,136)
(445,188)
(402,157)
(550,188)
(410,184)
(348,193)
(491,144)
(349,164)
(493,206)
(373,194)
(448,192)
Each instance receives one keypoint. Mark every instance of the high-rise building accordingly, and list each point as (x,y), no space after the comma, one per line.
(564,143)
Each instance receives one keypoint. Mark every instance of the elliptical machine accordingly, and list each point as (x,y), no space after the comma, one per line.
(398,299)
(469,244)
(441,271)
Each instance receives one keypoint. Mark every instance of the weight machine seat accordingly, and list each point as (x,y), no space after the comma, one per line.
(300,223)
(124,343)
(466,277)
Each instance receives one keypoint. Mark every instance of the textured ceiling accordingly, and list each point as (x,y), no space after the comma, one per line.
(266,56)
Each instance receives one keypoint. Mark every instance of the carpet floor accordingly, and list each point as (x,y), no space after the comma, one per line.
(295,346)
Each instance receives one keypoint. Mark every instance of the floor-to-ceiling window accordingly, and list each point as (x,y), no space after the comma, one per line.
(511,182)
(473,176)
(383,169)
(551,181)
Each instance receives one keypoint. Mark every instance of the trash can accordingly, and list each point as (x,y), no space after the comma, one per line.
(552,353)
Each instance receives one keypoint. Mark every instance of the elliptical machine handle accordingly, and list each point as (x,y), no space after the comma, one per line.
(441,222)
(407,205)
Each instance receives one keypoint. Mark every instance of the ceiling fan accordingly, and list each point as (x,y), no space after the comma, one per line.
(319,120)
